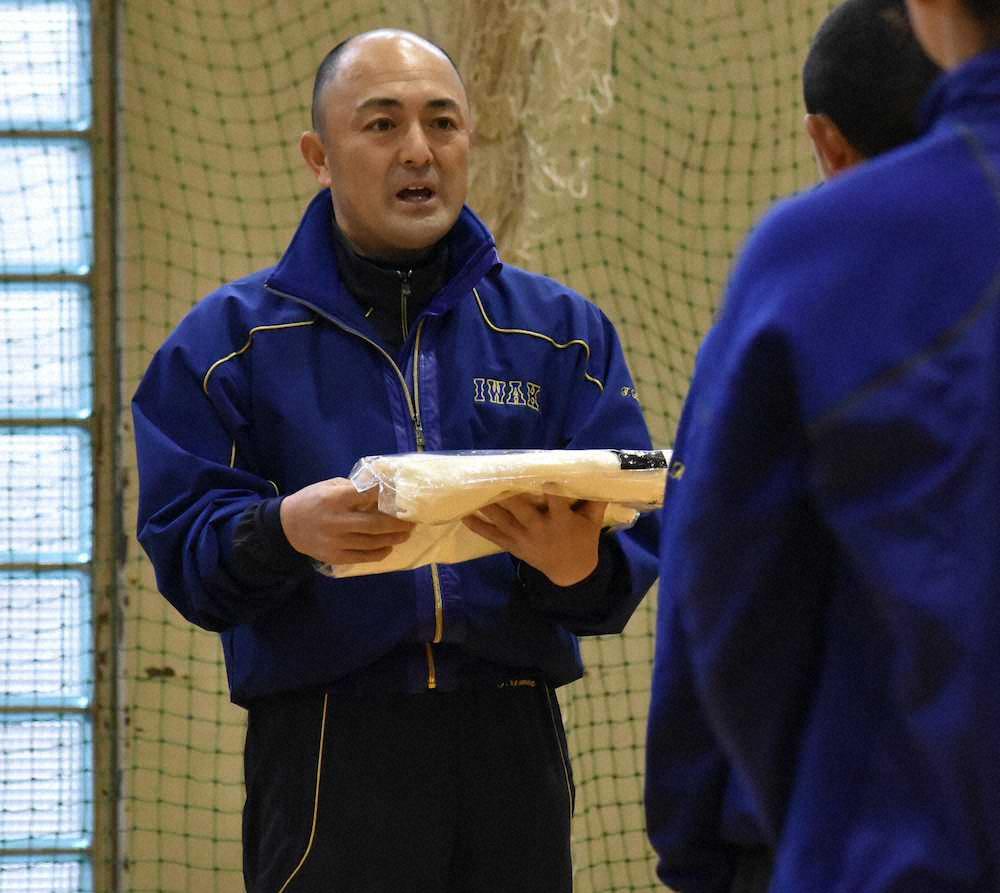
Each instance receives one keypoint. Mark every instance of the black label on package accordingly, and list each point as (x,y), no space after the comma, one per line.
(640,460)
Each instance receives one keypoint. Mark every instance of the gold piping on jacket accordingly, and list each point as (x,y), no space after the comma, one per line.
(438,605)
(319,774)
(232,464)
(431,670)
(553,707)
(575,342)
(246,347)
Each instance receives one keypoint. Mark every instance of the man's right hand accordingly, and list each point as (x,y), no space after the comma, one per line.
(335,524)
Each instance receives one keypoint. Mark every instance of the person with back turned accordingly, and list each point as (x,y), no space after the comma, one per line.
(863,81)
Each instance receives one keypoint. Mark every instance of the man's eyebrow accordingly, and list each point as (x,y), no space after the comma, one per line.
(388,102)
(444,104)
(378,102)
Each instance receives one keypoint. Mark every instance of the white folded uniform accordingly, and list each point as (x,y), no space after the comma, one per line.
(437,490)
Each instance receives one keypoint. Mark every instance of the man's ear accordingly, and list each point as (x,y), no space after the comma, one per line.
(311,147)
(833,152)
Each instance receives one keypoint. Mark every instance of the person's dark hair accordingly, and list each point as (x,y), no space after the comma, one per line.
(867,72)
(985,10)
(328,68)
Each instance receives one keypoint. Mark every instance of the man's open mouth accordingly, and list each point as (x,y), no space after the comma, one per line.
(415,194)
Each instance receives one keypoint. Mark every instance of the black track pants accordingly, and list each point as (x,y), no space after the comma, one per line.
(754,870)
(443,792)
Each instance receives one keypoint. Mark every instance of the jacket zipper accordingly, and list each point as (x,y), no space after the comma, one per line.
(405,290)
(413,404)
(414,418)
(435,576)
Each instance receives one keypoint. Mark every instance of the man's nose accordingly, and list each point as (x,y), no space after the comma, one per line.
(415,150)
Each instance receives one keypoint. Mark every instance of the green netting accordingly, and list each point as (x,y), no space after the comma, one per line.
(624,147)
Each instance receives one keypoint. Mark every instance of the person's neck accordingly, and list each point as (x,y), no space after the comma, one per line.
(395,260)
(394,291)
(963,40)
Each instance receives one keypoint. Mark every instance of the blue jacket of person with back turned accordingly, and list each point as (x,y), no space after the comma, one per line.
(830,561)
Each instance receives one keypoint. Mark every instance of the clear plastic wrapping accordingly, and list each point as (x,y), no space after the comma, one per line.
(437,490)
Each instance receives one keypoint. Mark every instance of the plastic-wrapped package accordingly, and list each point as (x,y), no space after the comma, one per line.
(437,490)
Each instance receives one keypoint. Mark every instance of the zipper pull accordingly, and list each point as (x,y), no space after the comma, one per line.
(418,425)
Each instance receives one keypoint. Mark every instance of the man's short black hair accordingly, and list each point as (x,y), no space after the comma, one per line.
(328,68)
(867,72)
(984,10)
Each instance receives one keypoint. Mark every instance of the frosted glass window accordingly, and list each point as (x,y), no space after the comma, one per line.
(45,798)
(45,351)
(44,65)
(45,495)
(44,875)
(45,639)
(45,193)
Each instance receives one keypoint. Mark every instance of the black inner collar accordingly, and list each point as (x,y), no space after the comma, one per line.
(384,288)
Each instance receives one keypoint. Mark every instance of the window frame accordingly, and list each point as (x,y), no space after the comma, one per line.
(100,862)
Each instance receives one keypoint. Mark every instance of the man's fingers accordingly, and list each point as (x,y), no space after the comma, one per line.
(510,518)
(488,531)
(365,499)
(351,496)
(375,522)
(364,507)
(592,510)
(354,556)
(559,504)
(342,494)
(367,542)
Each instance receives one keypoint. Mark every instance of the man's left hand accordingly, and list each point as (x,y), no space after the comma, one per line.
(556,535)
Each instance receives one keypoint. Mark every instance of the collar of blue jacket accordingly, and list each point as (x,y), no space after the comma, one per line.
(966,91)
(308,269)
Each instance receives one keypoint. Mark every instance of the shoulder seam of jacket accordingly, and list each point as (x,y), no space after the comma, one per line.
(249,342)
(575,342)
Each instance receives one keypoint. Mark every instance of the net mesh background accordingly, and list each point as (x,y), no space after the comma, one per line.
(624,147)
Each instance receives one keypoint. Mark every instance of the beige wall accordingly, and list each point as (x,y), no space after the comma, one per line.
(704,130)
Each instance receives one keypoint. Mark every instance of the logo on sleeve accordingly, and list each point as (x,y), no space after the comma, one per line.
(507,393)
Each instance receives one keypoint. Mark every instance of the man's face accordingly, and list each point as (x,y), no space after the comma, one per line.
(396,135)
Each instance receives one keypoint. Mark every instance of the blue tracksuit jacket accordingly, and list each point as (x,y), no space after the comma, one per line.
(830,598)
(277,380)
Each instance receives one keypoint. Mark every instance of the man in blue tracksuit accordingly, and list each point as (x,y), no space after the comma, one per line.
(863,79)
(831,549)
(403,732)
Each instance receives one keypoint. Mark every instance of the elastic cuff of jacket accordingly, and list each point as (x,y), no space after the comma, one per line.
(585,599)
(260,541)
